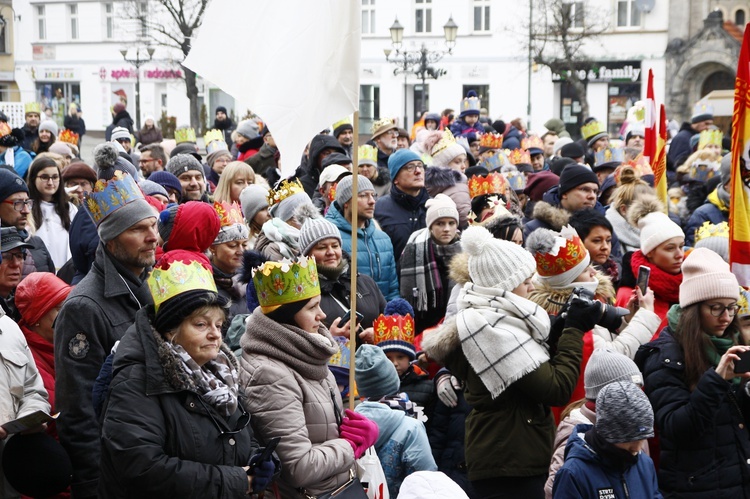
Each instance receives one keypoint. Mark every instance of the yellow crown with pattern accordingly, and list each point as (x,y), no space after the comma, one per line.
(710,137)
(33,107)
(184,134)
(214,140)
(446,140)
(532,142)
(229,214)
(744,302)
(342,358)
(712,230)
(286,188)
(592,128)
(492,183)
(395,333)
(68,136)
(279,283)
(519,156)
(109,196)
(177,279)
(366,154)
(491,141)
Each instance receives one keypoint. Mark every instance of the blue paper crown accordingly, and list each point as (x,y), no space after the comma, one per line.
(471,103)
(609,155)
(109,196)
(342,358)
(516,179)
(495,162)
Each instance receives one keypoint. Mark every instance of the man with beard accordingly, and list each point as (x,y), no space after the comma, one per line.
(190,173)
(96,315)
(385,138)
(344,133)
(224,123)
(31,128)
(13,256)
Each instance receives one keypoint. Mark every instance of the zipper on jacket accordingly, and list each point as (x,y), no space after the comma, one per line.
(625,486)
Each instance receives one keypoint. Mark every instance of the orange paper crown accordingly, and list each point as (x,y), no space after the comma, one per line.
(491,141)
(493,183)
(518,156)
(69,137)
(640,164)
(532,142)
(395,333)
(567,252)
(229,214)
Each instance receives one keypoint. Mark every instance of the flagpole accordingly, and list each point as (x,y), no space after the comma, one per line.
(353,264)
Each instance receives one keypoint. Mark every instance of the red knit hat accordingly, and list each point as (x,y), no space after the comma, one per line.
(52,288)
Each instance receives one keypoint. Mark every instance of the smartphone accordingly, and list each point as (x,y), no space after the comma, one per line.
(347,316)
(643,274)
(266,454)
(742,365)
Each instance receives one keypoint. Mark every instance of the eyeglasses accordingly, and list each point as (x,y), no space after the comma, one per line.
(717,310)
(18,256)
(147,160)
(47,178)
(410,167)
(242,422)
(19,205)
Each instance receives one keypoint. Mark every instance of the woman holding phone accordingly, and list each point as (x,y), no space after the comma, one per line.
(701,405)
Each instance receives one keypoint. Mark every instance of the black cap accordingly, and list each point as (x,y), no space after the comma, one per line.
(572,150)
(557,165)
(36,465)
(10,239)
(574,175)
(335,158)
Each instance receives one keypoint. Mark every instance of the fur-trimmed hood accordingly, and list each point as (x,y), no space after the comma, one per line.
(641,207)
(440,342)
(438,178)
(555,218)
(548,297)
(458,269)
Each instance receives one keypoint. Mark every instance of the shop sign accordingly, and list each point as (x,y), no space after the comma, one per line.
(606,72)
(132,74)
(43,52)
(54,74)
(475,71)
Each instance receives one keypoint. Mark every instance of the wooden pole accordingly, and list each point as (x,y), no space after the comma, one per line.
(353,264)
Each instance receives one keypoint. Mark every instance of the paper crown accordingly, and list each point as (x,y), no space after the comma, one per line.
(470,103)
(286,188)
(214,140)
(32,107)
(498,160)
(184,134)
(109,196)
(496,208)
(367,154)
(395,332)
(701,108)
(278,283)
(712,230)
(712,137)
(491,141)
(177,279)
(608,155)
(69,137)
(446,140)
(744,302)
(532,142)
(640,164)
(702,169)
(592,128)
(492,183)
(345,121)
(343,357)
(567,252)
(516,179)
(637,113)
(519,156)
(229,214)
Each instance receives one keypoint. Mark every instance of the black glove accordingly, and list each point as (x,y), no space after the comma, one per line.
(261,471)
(583,314)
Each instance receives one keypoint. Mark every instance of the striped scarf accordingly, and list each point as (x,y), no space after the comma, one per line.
(421,283)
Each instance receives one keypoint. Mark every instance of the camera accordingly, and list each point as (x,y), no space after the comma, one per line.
(611,317)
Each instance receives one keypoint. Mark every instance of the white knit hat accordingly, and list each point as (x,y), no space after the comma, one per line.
(446,155)
(656,228)
(441,206)
(495,263)
(706,276)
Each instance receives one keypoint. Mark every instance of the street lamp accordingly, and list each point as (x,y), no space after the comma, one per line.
(417,62)
(138,62)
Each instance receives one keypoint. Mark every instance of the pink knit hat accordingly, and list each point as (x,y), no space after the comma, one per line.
(706,276)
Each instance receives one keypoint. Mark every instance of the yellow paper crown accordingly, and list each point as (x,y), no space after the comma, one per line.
(532,142)
(212,135)
(345,121)
(712,230)
(278,283)
(493,183)
(184,134)
(69,137)
(592,128)
(229,214)
(491,141)
(109,196)
(744,302)
(394,328)
(446,140)
(177,279)
(367,154)
(286,188)
(519,156)
(33,107)
(712,137)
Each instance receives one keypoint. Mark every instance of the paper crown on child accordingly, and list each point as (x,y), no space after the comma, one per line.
(214,140)
(285,189)
(395,333)
(69,137)
(609,155)
(567,252)
(703,169)
(109,196)
(177,279)
(367,155)
(491,141)
(446,140)
(516,179)
(279,283)
(498,160)
(533,144)
(32,107)
(492,183)
(519,156)
(710,137)
(184,134)
(470,104)
(592,128)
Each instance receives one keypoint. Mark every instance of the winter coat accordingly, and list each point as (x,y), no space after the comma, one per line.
(263,163)
(148,136)
(38,258)
(453,184)
(511,435)
(679,148)
(230,288)
(311,175)
(122,119)
(21,161)
(581,415)
(288,398)
(171,445)
(402,444)
(587,474)
(75,124)
(459,128)
(96,314)
(84,240)
(420,389)
(399,215)
(44,357)
(628,236)
(714,210)
(226,126)
(21,385)
(375,256)
(703,430)
(30,135)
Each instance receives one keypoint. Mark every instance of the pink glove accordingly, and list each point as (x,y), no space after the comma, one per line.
(360,432)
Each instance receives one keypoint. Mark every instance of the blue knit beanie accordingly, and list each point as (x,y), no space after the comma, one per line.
(375,375)
(398,159)
(10,183)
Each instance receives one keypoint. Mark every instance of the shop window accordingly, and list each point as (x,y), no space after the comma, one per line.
(142,15)
(481,15)
(3,36)
(109,21)
(739,17)
(621,98)
(41,22)
(369,106)
(423,16)
(574,11)
(73,20)
(628,14)
(368,17)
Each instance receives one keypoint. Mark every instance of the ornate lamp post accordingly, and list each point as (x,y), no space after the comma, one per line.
(138,62)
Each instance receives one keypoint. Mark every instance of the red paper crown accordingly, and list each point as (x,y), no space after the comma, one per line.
(493,183)
(518,156)
(491,141)
(229,214)
(570,252)
(532,141)
(69,137)
(394,328)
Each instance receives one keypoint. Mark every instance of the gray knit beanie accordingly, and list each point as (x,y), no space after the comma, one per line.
(284,210)
(253,199)
(605,367)
(623,413)
(315,230)
(375,375)
(50,126)
(249,129)
(183,163)
(495,263)
(150,188)
(344,188)
(123,218)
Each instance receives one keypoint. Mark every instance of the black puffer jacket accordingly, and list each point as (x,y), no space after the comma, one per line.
(158,439)
(703,433)
(309,176)
(420,389)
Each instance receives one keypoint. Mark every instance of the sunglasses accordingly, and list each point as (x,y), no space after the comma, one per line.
(242,422)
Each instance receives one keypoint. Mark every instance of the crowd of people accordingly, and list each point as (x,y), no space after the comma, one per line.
(532,319)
